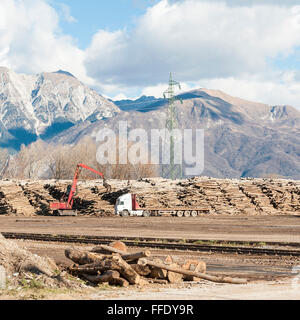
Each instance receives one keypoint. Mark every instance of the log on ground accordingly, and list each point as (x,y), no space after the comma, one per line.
(141,270)
(196,266)
(219,279)
(156,271)
(83,257)
(104,249)
(110,276)
(110,263)
(174,277)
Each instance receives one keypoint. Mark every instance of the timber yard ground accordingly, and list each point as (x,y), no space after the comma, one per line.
(270,277)
(261,211)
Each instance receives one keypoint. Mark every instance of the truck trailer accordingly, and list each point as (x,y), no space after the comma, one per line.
(127,205)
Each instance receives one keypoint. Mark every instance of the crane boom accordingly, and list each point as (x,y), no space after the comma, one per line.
(75,180)
(68,206)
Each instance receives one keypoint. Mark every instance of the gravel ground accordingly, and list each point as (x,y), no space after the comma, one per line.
(269,278)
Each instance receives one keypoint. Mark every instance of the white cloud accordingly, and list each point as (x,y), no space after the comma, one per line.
(66,12)
(279,88)
(282,89)
(159,89)
(195,40)
(218,44)
(247,3)
(226,44)
(31,41)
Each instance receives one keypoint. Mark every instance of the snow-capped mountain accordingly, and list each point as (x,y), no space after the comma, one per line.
(44,104)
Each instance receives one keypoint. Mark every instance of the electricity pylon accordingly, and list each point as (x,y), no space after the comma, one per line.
(171,171)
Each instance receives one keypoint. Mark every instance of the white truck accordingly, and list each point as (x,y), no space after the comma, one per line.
(127,205)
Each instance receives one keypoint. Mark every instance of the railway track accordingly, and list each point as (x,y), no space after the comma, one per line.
(168,244)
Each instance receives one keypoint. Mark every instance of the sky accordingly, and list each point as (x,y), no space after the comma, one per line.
(127,48)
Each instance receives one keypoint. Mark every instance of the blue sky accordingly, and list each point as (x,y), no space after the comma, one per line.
(92,15)
(126,48)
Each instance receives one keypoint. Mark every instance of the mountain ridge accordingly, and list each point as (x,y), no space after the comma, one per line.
(31,104)
(242,138)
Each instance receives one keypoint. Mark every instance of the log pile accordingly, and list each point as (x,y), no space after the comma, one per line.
(38,198)
(86,202)
(220,196)
(17,201)
(109,264)
(4,206)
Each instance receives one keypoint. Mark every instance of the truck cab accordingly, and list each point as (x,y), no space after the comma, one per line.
(127,205)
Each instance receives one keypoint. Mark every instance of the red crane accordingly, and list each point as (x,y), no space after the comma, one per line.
(65,206)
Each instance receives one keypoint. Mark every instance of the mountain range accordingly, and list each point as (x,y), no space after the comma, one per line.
(45,104)
(242,138)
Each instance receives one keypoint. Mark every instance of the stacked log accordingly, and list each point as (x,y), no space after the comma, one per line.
(17,200)
(4,207)
(220,196)
(108,264)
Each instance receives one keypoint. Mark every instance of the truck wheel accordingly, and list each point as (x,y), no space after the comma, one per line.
(194,214)
(187,214)
(124,213)
(146,214)
(179,214)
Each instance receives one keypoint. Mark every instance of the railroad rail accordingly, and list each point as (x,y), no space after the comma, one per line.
(166,244)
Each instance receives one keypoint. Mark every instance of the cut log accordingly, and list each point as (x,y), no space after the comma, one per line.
(125,256)
(110,263)
(219,279)
(194,265)
(82,257)
(126,271)
(111,276)
(136,256)
(141,270)
(174,277)
(107,249)
(168,260)
(120,282)
(119,245)
(156,271)
(90,269)
(105,277)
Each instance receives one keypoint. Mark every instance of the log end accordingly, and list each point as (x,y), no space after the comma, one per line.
(119,245)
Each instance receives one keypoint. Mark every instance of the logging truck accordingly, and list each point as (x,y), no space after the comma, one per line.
(127,205)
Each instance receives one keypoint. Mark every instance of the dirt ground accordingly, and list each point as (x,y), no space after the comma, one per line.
(252,267)
(269,277)
(237,228)
(274,290)
(262,210)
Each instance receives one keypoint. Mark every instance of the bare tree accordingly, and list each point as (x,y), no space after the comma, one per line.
(127,171)
(59,162)
(4,161)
